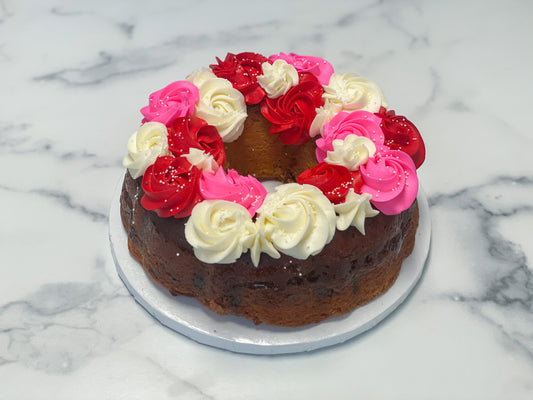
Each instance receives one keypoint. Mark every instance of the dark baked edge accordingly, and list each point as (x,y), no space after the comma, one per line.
(351,270)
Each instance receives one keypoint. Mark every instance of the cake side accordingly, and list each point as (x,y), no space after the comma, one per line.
(351,271)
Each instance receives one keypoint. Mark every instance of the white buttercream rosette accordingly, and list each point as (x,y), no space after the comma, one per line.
(219,231)
(297,220)
(144,146)
(220,104)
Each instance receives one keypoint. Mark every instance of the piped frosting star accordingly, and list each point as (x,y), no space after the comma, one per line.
(354,211)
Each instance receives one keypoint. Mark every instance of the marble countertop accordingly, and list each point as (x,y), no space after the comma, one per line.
(74,75)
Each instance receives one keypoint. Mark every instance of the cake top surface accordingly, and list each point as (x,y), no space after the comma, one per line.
(367,156)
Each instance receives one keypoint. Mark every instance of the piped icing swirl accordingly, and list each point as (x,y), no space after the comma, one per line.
(144,146)
(220,105)
(351,151)
(219,231)
(390,177)
(242,70)
(358,123)
(353,92)
(170,187)
(314,65)
(202,160)
(354,211)
(176,100)
(297,219)
(277,78)
(244,190)
(366,156)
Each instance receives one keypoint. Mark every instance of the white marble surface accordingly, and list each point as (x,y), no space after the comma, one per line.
(75,73)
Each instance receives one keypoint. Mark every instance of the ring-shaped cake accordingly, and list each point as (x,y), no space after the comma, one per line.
(202,223)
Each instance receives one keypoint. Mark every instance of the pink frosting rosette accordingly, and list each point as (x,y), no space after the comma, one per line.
(244,190)
(314,65)
(360,123)
(390,177)
(176,100)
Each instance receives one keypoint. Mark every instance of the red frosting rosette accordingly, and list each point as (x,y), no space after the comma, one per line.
(194,132)
(401,134)
(242,70)
(291,115)
(357,181)
(170,187)
(333,180)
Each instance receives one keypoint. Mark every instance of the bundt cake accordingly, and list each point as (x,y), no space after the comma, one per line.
(272,188)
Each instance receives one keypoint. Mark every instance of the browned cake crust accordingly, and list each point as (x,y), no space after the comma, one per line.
(349,272)
(264,156)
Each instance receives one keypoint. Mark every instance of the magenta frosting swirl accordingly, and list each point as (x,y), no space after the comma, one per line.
(360,123)
(176,100)
(244,190)
(390,177)
(314,65)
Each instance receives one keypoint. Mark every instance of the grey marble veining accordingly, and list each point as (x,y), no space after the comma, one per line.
(60,326)
(105,67)
(74,76)
(505,297)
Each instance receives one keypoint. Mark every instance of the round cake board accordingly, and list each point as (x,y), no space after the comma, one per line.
(190,318)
